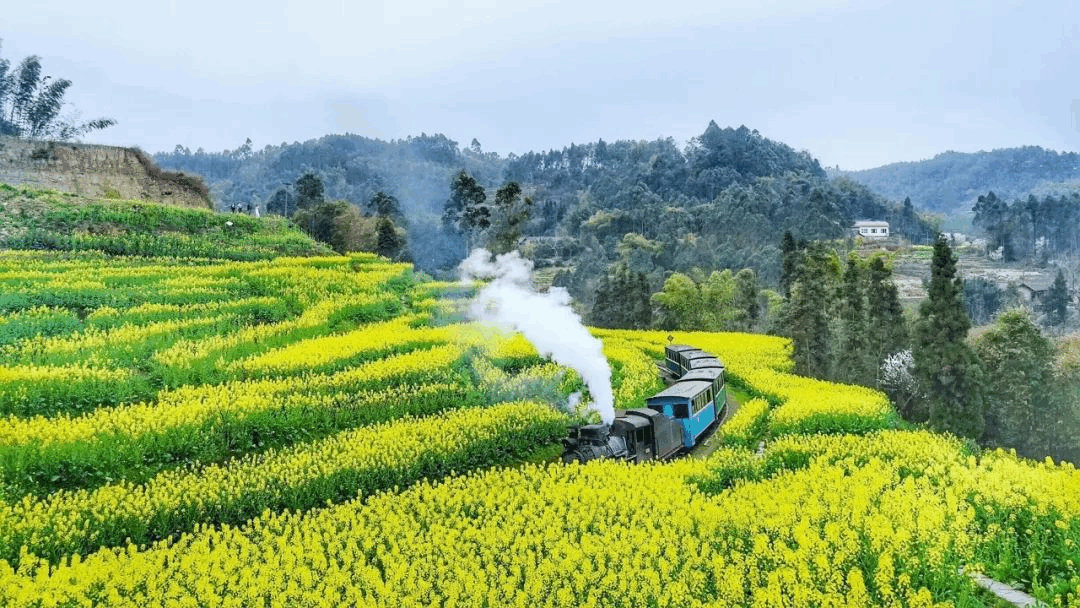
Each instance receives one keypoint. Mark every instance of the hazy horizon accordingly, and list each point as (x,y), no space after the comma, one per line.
(858,85)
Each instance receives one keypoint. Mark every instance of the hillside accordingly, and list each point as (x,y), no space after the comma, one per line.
(50,220)
(952,181)
(721,202)
(328,431)
(96,171)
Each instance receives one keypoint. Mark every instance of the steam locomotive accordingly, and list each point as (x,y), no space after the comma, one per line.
(673,421)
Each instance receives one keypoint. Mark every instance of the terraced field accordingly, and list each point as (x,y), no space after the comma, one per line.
(325,431)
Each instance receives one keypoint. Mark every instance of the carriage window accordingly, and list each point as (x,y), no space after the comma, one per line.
(681,410)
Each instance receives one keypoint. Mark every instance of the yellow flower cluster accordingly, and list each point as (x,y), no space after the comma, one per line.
(495,342)
(762,365)
(186,355)
(331,351)
(812,405)
(26,390)
(635,375)
(163,311)
(192,405)
(88,345)
(558,536)
(747,424)
(300,477)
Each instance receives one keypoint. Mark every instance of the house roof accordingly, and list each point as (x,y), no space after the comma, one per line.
(871,224)
(1036,282)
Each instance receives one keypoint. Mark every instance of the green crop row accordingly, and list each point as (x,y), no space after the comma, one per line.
(351,463)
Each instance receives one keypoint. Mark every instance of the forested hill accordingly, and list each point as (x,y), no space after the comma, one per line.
(951,182)
(722,201)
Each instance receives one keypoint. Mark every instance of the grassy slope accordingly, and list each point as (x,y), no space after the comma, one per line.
(43,219)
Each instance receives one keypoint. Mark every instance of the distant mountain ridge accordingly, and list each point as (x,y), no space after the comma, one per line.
(721,201)
(951,182)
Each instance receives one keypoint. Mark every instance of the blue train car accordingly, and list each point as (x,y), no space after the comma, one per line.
(706,362)
(716,376)
(691,404)
(674,359)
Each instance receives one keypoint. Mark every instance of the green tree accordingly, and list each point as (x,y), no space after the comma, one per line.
(680,303)
(789,263)
(982,299)
(622,300)
(1056,303)
(718,301)
(511,213)
(320,221)
(1021,411)
(747,299)
(885,317)
(30,104)
(309,191)
(808,312)
(641,297)
(944,362)
(388,241)
(466,212)
(854,361)
(385,205)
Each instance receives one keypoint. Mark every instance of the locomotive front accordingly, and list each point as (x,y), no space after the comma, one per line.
(592,441)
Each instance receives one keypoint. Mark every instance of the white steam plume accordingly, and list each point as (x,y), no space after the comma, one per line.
(546,319)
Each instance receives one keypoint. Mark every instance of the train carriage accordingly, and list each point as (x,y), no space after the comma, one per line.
(674,360)
(674,421)
(716,376)
(690,404)
(706,362)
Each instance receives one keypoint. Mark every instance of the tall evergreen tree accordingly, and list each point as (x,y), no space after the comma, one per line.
(885,316)
(789,263)
(808,315)
(948,368)
(642,304)
(601,313)
(622,300)
(746,299)
(853,361)
(1056,303)
(388,243)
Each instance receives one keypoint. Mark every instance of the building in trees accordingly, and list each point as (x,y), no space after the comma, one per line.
(875,229)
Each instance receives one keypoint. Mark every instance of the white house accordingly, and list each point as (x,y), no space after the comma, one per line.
(872,228)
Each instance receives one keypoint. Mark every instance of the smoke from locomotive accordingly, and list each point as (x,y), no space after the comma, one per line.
(546,319)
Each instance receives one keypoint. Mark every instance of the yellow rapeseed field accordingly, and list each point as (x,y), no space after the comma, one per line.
(329,432)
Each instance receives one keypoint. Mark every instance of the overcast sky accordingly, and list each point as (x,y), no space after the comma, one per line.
(858,84)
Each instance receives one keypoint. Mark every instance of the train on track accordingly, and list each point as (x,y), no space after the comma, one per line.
(673,422)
